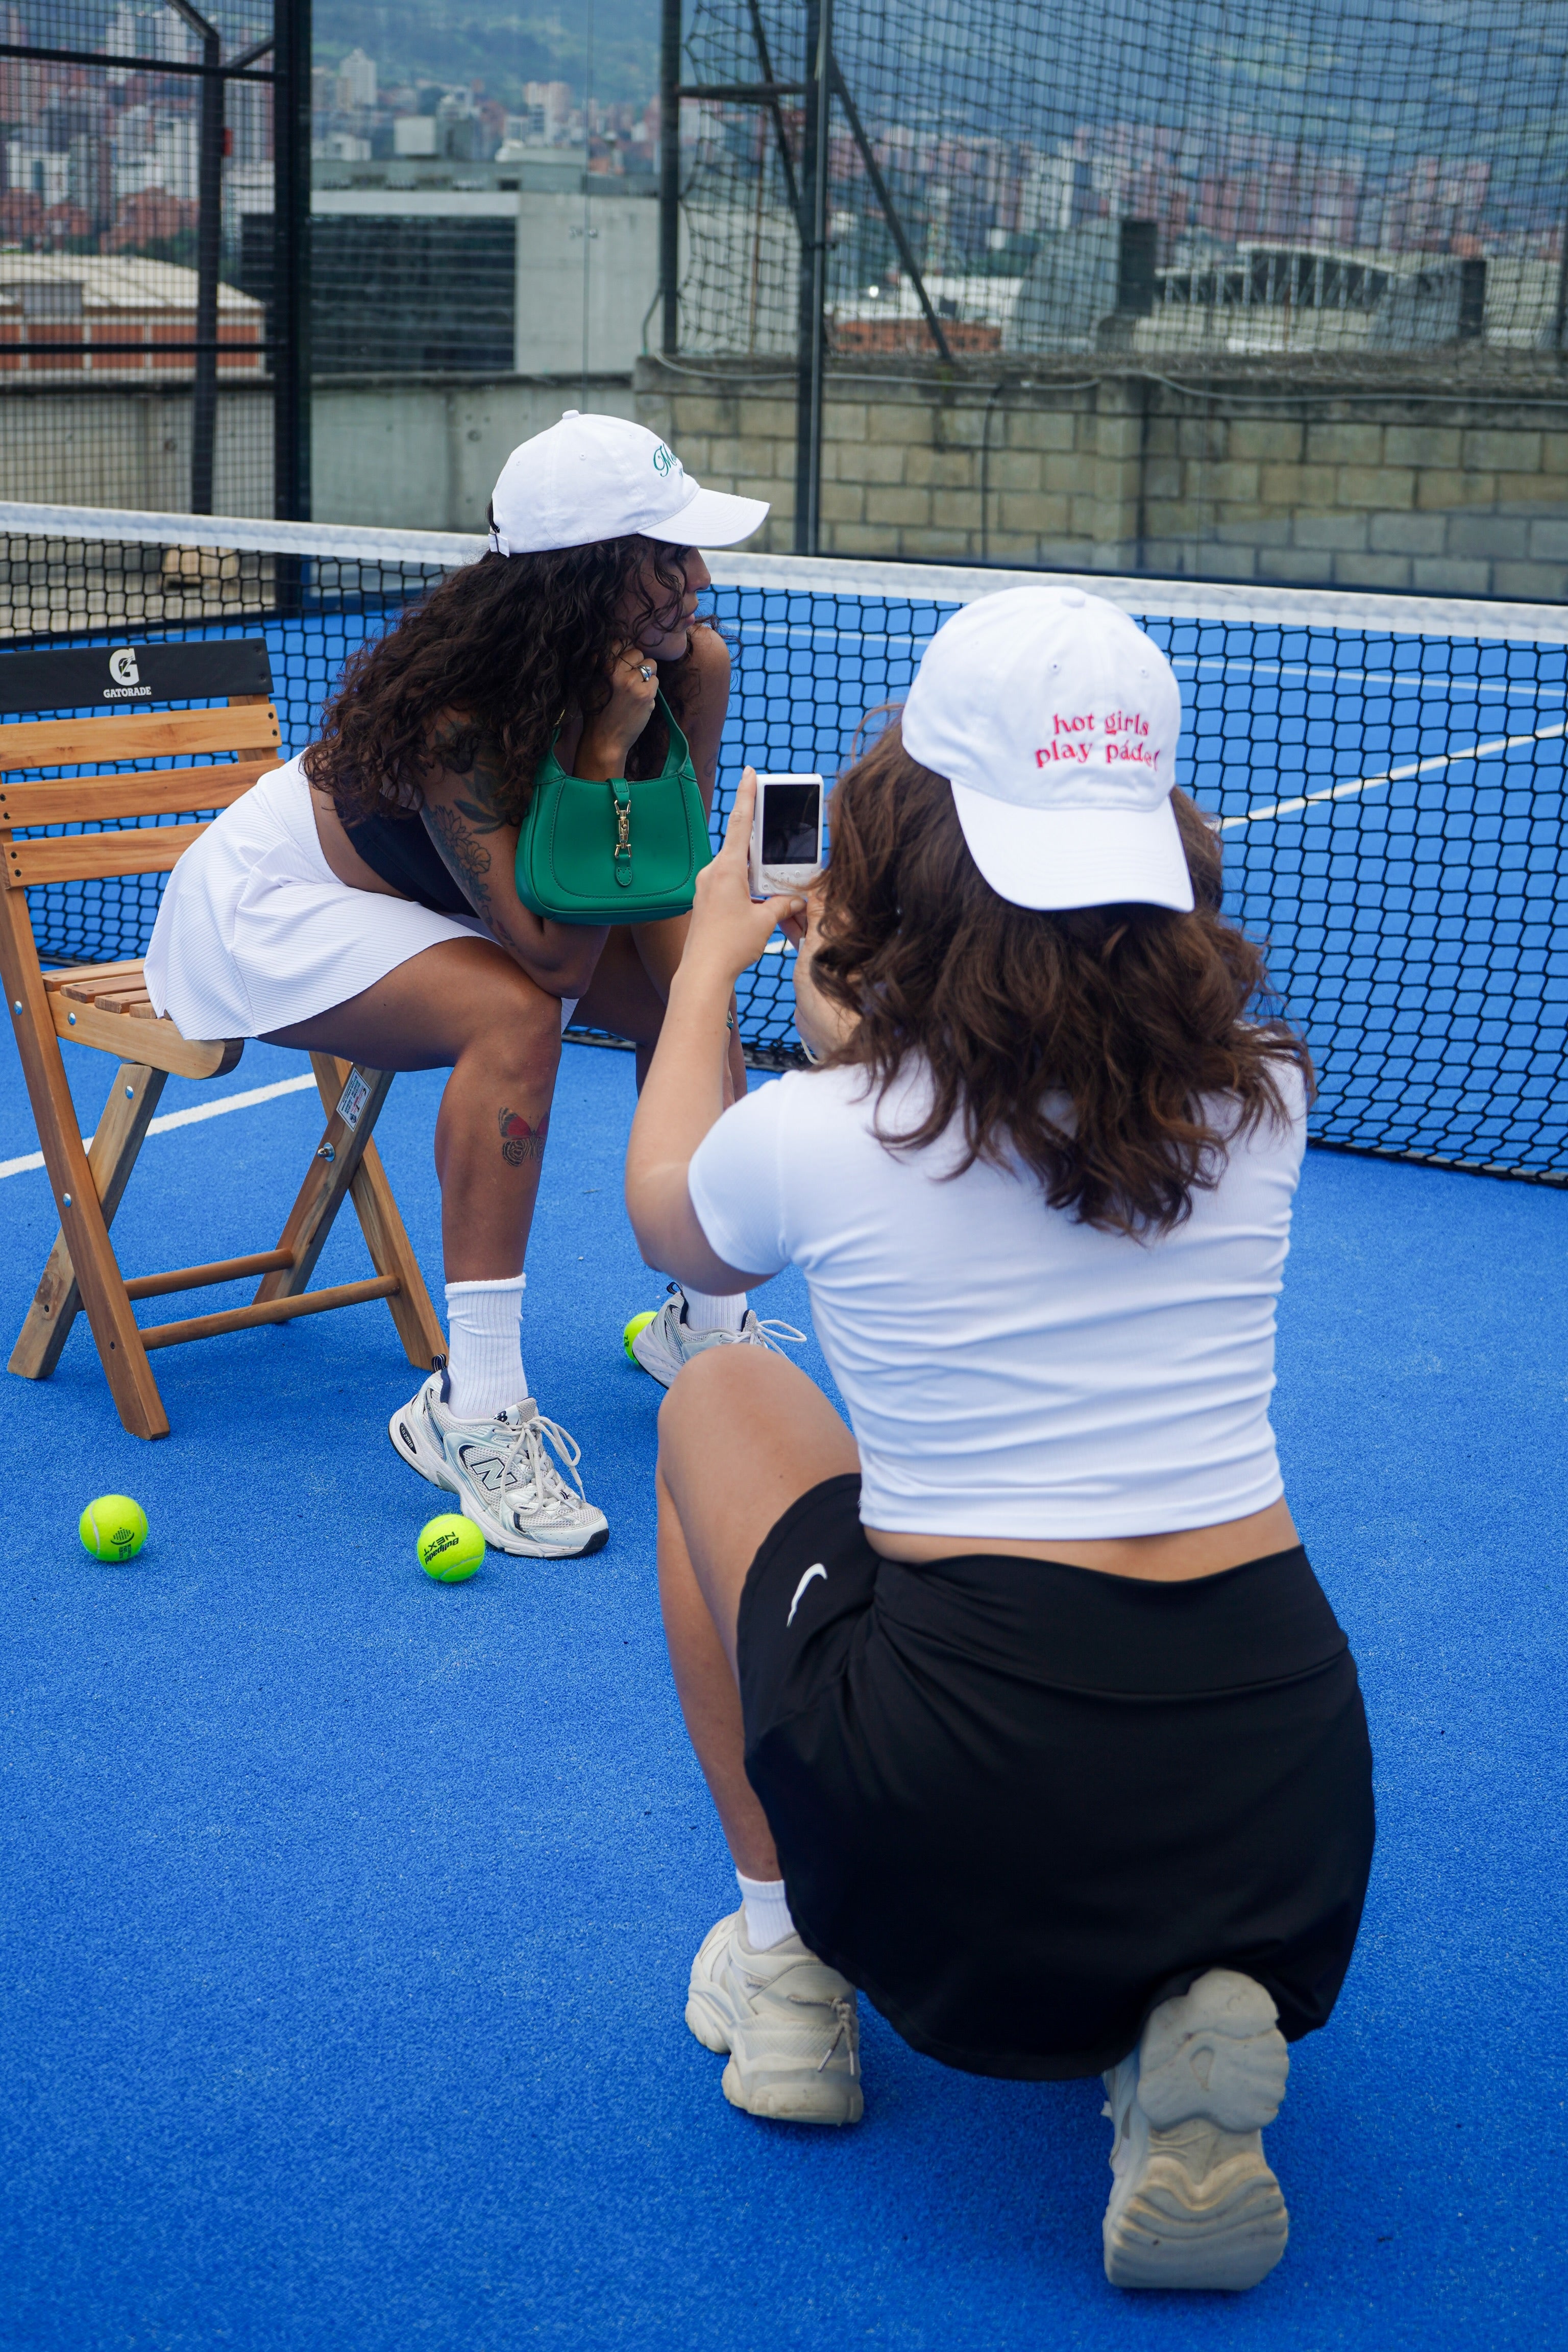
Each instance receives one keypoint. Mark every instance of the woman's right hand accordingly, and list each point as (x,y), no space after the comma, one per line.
(609,735)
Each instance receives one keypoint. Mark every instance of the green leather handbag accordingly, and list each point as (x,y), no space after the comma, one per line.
(623,852)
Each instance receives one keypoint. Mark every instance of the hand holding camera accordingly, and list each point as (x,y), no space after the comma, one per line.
(729,929)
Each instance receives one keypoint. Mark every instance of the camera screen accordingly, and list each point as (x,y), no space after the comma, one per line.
(792,817)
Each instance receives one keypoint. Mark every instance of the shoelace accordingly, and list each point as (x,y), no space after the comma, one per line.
(542,1474)
(842,2008)
(843,2017)
(767,1335)
(770,1334)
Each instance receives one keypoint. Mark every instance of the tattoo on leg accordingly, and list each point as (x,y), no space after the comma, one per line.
(519,1141)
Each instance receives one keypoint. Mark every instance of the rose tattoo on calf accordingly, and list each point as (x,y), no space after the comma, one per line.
(519,1141)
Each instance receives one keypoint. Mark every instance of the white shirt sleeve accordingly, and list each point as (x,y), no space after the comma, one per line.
(734,1183)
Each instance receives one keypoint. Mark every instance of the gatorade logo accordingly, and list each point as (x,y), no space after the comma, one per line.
(663,459)
(127,684)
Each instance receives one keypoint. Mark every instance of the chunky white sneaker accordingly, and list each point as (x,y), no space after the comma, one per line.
(1195,2204)
(503,1473)
(667,1342)
(789,2024)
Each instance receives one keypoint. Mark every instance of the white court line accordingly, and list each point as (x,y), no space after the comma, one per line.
(191,1118)
(1393,776)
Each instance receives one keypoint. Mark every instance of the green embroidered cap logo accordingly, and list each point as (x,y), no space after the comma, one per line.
(663,459)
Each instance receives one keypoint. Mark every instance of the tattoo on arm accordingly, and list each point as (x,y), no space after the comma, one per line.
(458,826)
(481,774)
(519,1141)
(468,857)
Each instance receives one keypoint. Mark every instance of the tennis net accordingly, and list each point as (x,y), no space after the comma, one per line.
(1388,774)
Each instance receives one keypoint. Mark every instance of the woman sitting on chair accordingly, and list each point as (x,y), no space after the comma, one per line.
(361,900)
(1020,1705)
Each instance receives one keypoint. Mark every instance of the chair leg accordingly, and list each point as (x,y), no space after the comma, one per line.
(328,1184)
(119,1342)
(386,1237)
(132,1099)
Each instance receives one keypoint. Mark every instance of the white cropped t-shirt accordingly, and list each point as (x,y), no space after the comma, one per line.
(1008,1370)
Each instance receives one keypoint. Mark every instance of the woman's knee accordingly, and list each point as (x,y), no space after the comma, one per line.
(730,1404)
(514,1031)
(700,1397)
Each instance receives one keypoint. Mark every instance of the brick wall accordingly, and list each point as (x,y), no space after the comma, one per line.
(1362,486)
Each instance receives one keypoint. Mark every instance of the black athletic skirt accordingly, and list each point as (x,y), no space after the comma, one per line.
(1019,1804)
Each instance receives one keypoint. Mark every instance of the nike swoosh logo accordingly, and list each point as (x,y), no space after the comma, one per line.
(800,1588)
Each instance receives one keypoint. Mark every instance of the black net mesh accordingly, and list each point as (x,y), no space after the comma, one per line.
(1391,803)
(1341,183)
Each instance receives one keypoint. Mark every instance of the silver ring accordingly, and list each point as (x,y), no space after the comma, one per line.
(645,673)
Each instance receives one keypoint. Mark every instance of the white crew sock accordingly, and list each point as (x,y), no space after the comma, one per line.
(706,1314)
(767,1913)
(484,1324)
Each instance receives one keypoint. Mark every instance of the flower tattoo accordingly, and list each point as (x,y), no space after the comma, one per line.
(519,1141)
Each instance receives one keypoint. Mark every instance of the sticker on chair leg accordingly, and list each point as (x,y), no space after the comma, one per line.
(353,1099)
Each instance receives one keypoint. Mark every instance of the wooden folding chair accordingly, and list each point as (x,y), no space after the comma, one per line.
(105,1006)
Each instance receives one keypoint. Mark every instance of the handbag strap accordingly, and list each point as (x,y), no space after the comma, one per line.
(678,760)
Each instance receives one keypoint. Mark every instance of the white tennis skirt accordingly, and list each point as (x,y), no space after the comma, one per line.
(255,932)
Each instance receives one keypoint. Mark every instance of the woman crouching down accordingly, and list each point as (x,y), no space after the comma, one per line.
(361,900)
(1021,1706)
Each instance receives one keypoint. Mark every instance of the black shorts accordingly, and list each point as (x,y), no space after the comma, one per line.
(1019,1804)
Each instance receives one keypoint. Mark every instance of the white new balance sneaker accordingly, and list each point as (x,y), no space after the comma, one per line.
(789,2024)
(667,1340)
(1195,2204)
(503,1473)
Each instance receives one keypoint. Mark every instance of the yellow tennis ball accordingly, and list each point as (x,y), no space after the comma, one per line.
(450,1548)
(638,1323)
(114,1527)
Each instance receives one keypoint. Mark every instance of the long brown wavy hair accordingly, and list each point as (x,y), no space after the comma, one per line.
(502,646)
(1143,1019)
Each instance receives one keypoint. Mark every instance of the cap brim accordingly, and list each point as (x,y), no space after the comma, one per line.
(711,518)
(1052,859)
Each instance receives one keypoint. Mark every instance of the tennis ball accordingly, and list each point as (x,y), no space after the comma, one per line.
(114,1527)
(450,1548)
(638,1323)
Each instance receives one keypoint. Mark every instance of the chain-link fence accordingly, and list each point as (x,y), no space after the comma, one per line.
(1304,201)
(143,149)
(1168,286)
(1308,179)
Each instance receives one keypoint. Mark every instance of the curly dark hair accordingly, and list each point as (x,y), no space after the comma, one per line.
(503,645)
(1142,1018)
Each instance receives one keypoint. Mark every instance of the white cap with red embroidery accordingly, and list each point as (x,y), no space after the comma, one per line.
(1056,720)
(595,477)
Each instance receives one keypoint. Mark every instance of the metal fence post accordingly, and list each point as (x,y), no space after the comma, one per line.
(813,345)
(292,262)
(209,257)
(670,177)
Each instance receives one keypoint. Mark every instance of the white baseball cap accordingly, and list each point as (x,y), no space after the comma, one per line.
(1056,722)
(593,478)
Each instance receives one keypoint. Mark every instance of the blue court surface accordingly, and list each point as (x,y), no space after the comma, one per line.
(347,1916)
